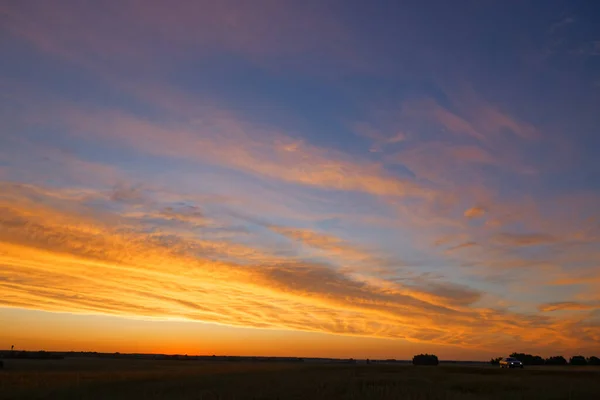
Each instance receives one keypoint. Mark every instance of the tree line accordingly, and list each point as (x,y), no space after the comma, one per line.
(425,359)
(528,359)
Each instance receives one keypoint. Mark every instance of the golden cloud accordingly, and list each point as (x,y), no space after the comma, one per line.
(56,259)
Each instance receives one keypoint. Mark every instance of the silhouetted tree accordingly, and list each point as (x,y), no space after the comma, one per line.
(537,360)
(556,360)
(495,361)
(425,359)
(578,360)
(593,360)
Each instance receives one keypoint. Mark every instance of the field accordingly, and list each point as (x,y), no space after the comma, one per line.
(89,378)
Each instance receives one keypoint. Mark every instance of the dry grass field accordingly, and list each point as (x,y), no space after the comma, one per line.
(87,378)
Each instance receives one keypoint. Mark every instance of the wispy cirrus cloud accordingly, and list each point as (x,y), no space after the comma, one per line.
(461,246)
(568,306)
(328,243)
(470,116)
(525,239)
(561,23)
(220,138)
(474,212)
(79,265)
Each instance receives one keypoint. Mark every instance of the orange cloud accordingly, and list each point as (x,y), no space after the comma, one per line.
(55,258)
(577,279)
(328,243)
(251,150)
(567,306)
(525,239)
(474,212)
(462,246)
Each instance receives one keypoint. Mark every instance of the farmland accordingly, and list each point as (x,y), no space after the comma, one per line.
(94,378)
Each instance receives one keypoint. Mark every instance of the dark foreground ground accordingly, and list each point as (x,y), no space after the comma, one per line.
(149,379)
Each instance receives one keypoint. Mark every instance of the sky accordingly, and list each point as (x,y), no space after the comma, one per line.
(300,178)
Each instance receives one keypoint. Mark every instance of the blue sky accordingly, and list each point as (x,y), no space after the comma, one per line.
(423,172)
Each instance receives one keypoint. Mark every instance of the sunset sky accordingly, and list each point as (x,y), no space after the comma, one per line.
(300,178)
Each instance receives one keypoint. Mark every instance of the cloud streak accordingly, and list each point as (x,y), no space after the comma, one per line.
(567,306)
(525,239)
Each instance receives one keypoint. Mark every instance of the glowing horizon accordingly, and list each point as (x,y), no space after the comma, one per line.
(350,181)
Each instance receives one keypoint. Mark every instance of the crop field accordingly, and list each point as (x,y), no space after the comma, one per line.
(89,378)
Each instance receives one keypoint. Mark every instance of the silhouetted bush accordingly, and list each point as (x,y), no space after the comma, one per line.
(495,361)
(556,360)
(528,359)
(578,360)
(425,359)
(593,360)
